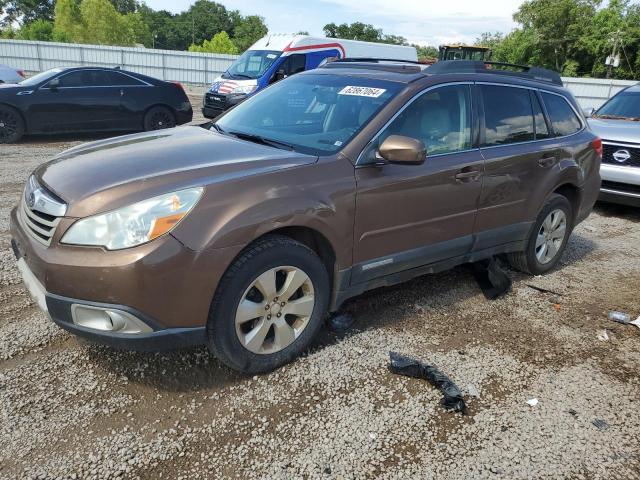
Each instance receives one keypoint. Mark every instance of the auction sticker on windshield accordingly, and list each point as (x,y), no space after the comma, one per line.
(362,91)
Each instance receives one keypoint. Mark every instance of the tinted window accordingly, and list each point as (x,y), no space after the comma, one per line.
(625,105)
(563,119)
(294,64)
(441,118)
(542,131)
(121,80)
(316,114)
(73,79)
(86,78)
(508,115)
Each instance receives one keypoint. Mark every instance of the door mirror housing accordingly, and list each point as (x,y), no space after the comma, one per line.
(588,112)
(401,149)
(54,84)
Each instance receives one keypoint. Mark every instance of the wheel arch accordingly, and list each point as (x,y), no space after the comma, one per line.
(572,193)
(159,104)
(20,112)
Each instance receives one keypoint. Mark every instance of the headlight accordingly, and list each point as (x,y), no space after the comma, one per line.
(244,89)
(136,224)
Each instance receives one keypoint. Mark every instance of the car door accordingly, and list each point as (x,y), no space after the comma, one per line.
(82,100)
(413,215)
(136,96)
(519,153)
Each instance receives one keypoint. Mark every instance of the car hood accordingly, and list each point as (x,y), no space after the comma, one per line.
(625,131)
(100,176)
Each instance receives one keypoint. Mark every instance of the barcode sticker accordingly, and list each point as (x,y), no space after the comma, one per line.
(362,91)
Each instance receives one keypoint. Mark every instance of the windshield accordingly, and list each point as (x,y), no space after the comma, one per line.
(252,64)
(623,105)
(314,114)
(40,77)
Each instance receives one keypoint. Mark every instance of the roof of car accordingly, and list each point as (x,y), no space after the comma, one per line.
(634,88)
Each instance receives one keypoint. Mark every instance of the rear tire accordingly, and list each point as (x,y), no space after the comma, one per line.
(11,125)
(159,118)
(547,239)
(260,319)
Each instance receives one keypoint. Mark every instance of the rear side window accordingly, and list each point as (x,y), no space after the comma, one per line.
(120,80)
(542,131)
(563,119)
(508,115)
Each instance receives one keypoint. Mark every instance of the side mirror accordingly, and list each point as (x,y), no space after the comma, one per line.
(588,112)
(400,149)
(54,84)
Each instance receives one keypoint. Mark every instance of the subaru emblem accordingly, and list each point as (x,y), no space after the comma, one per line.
(31,200)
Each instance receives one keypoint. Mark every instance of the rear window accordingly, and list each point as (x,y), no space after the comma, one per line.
(563,119)
(508,115)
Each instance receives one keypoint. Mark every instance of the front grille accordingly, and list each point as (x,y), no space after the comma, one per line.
(40,226)
(609,150)
(40,215)
(209,100)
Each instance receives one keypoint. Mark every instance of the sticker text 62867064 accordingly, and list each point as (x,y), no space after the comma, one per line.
(362,91)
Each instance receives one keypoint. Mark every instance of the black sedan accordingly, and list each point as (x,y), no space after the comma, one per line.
(88,99)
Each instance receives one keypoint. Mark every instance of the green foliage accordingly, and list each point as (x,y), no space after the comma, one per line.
(361,31)
(573,37)
(37,30)
(25,11)
(248,30)
(220,43)
(426,53)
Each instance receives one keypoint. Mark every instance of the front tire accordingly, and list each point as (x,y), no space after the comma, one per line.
(269,305)
(548,238)
(11,125)
(158,118)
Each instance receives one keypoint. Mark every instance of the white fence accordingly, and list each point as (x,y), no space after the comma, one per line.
(202,68)
(593,92)
(187,67)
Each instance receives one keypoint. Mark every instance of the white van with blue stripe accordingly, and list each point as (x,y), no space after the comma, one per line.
(275,57)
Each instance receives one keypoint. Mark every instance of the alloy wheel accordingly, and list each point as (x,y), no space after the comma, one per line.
(551,236)
(161,120)
(8,124)
(274,310)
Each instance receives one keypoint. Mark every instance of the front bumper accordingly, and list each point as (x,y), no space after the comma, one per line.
(620,184)
(163,284)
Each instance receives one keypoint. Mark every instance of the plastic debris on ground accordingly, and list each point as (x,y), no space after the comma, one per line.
(603,336)
(600,424)
(491,277)
(410,367)
(623,318)
(472,391)
(340,322)
(533,402)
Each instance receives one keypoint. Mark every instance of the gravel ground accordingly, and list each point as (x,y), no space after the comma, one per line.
(69,409)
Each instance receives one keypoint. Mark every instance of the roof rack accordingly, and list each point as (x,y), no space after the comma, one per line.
(385,64)
(499,68)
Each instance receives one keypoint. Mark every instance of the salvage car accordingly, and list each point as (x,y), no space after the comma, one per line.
(83,99)
(243,235)
(617,122)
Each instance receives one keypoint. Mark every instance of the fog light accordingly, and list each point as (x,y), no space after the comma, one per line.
(107,320)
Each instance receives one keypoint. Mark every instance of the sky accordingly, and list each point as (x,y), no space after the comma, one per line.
(425,22)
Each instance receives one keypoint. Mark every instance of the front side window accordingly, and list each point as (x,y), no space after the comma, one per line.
(86,78)
(440,118)
(252,64)
(508,115)
(315,114)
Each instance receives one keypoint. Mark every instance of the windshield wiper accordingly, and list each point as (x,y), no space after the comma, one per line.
(263,140)
(218,128)
(616,117)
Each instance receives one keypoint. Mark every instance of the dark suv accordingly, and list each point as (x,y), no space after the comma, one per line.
(338,180)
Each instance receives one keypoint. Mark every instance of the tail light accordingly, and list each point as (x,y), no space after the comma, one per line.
(597,146)
(21,73)
(179,85)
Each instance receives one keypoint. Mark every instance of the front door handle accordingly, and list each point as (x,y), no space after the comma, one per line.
(121,92)
(546,162)
(468,176)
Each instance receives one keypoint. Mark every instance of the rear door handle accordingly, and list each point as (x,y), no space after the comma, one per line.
(121,92)
(547,162)
(468,176)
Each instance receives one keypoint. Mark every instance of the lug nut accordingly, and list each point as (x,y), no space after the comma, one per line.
(266,307)
(268,317)
(283,304)
(279,315)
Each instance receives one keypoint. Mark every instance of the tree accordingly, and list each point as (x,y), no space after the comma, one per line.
(68,21)
(40,29)
(426,53)
(361,31)
(248,30)
(25,11)
(489,39)
(220,43)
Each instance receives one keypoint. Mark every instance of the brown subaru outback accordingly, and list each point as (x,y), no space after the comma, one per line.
(244,235)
